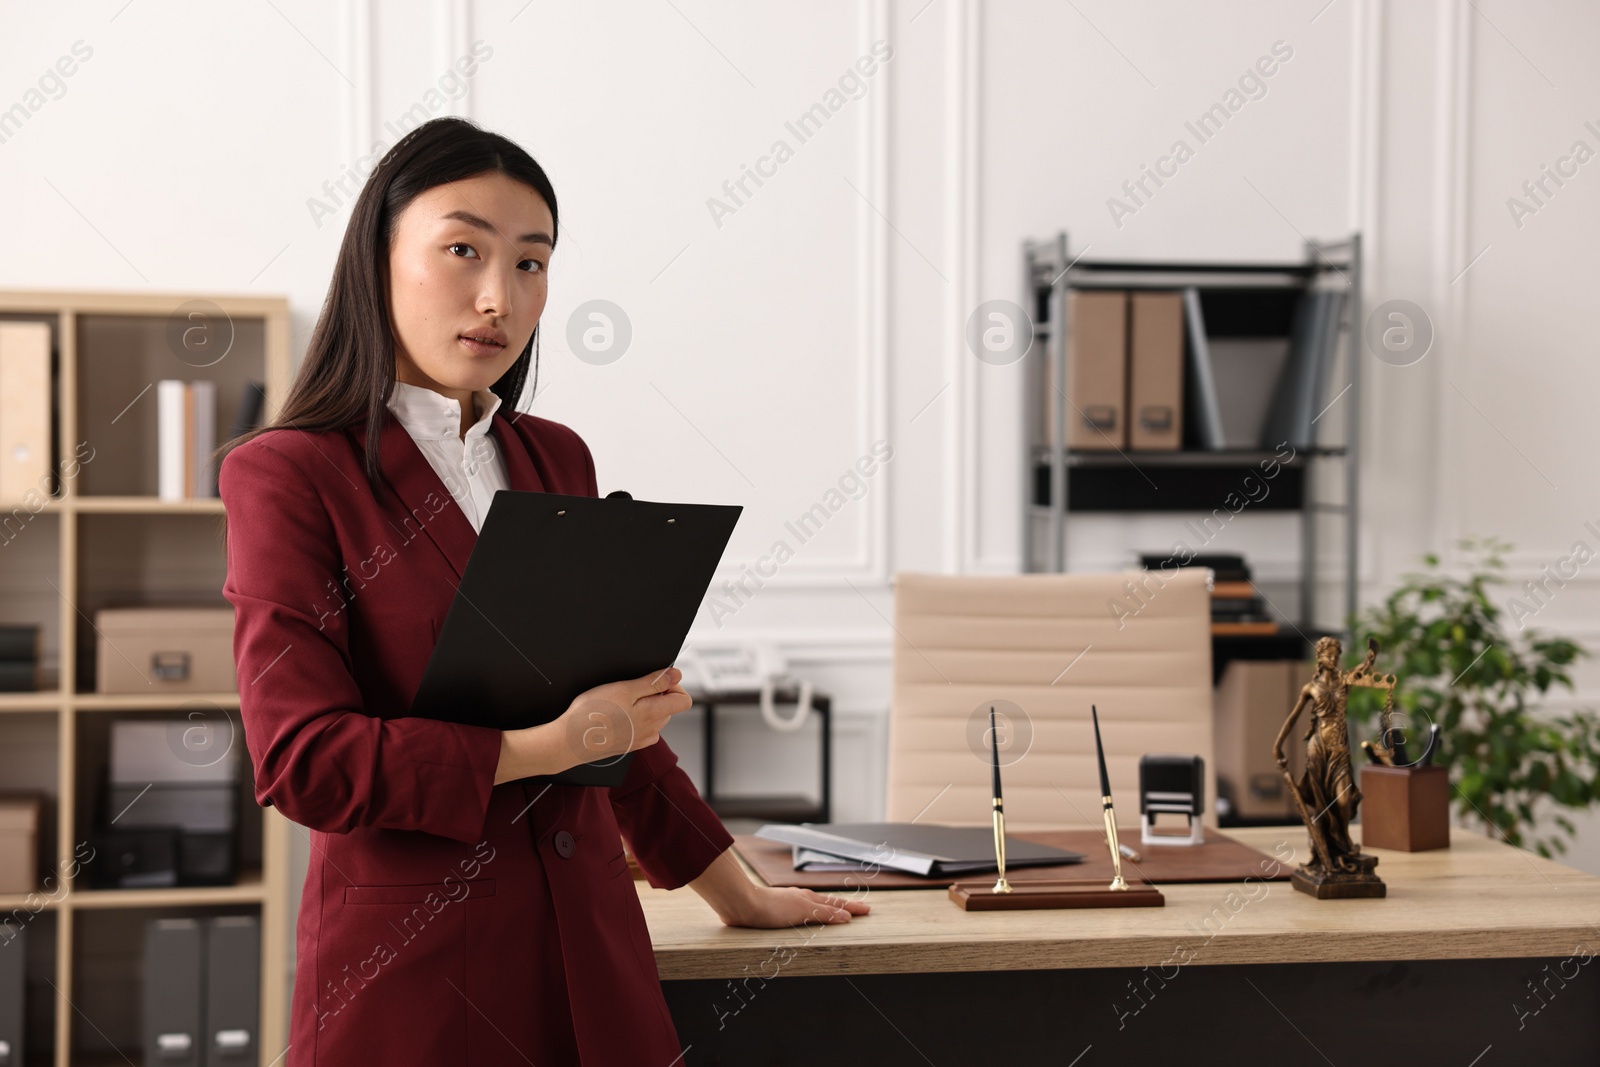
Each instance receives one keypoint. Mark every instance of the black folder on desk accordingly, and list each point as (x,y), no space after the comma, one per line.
(926,849)
(564,593)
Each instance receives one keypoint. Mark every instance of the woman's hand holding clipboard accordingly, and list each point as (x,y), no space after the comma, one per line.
(602,724)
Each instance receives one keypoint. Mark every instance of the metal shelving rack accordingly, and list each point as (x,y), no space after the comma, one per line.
(1049,271)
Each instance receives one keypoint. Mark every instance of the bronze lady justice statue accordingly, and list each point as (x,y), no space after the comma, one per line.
(1326,794)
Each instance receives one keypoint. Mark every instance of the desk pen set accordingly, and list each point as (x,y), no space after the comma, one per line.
(1054,893)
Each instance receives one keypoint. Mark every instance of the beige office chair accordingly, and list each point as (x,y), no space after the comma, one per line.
(963,641)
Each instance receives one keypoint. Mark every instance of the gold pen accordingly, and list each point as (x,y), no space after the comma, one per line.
(1001,886)
(1105,801)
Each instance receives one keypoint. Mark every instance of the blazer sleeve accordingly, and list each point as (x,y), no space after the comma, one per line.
(667,824)
(319,756)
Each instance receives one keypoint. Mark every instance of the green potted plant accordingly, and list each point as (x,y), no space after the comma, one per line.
(1460,665)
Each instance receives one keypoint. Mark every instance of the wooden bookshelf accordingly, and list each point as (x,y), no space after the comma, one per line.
(105,538)
(249,889)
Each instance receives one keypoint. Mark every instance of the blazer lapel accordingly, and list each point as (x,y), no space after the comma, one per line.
(427,499)
(520,471)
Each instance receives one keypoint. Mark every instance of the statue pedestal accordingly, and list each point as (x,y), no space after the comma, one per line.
(1324,886)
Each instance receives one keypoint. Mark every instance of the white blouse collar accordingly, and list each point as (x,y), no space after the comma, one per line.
(429,415)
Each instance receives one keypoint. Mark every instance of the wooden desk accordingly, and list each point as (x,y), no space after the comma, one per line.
(1478,950)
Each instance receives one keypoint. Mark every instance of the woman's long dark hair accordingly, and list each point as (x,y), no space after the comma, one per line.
(349,368)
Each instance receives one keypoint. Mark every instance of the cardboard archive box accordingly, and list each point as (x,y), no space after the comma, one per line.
(165,650)
(1250,704)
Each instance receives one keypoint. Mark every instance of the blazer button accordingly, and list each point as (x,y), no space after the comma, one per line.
(564,844)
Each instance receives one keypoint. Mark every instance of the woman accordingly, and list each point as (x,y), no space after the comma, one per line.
(454,911)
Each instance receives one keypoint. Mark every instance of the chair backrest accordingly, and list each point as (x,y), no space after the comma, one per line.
(1135,644)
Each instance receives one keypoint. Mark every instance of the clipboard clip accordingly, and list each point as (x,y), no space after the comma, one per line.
(622,494)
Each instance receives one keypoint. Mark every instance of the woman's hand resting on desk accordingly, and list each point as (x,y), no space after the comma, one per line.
(621,717)
(740,902)
(602,723)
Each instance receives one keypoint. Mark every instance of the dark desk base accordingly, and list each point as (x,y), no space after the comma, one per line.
(1402,1013)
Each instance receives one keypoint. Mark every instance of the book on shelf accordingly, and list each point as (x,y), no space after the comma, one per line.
(1228,607)
(251,405)
(1243,629)
(1155,371)
(186,414)
(14,978)
(1200,385)
(1261,370)
(1299,395)
(1244,617)
(1224,567)
(20,646)
(1199,368)
(1097,373)
(1246,369)
(25,410)
(19,641)
(1236,606)
(19,676)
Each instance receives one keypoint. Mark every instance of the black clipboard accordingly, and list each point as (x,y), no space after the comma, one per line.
(564,593)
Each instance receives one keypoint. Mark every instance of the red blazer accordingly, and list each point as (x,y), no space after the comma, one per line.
(444,919)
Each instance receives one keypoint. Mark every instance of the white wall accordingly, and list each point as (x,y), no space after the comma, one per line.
(825,313)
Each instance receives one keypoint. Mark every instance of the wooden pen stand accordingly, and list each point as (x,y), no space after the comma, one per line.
(1055,893)
(1405,808)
